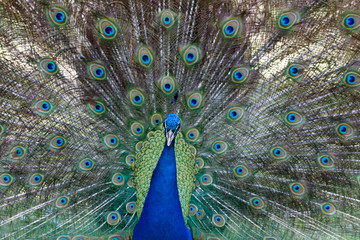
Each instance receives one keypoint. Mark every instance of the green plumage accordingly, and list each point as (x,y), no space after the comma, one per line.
(269,101)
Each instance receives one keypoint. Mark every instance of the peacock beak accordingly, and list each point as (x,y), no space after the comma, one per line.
(169,137)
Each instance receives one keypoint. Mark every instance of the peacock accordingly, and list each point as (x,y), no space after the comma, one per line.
(179,119)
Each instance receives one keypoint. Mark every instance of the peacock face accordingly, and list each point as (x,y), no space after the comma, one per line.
(172,125)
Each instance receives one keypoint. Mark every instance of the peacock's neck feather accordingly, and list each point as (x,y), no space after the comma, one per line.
(162,215)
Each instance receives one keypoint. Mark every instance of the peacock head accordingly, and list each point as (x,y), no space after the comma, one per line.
(172,126)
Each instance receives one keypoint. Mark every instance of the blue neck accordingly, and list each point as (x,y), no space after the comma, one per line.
(162,217)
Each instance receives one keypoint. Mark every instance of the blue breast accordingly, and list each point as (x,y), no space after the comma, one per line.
(162,217)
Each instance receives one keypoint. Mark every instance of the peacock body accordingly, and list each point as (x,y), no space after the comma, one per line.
(147,119)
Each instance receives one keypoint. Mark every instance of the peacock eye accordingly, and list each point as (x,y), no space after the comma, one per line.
(326,161)
(62,202)
(168,19)
(195,100)
(345,130)
(48,66)
(231,28)
(36,179)
(351,21)
(113,218)
(118,179)
(297,189)
(191,55)
(240,74)
(107,29)
(57,142)
(43,107)
(86,164)
(96,71)
(57,16)
(328,208)
(136,97)
(295,71)
(294,118)
(145,57)
(351,79)
(137,129)
(192,135)
(219,147)
(17,153)
(241,171)
(288,19)
(279,153)
(5,179)
(131,207)
(235,114)
(167,85)
(96,107)
(257,203)
(218,220)
(111,141)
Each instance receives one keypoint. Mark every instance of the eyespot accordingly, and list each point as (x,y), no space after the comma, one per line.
(241,171)
(131,207)
(288,19)
(351,21)
(218,220)
(270,238)
(116,237)
(96,107)
(137,129)
(297,188)
(62,202)
(96,71)
(57,142)
(57,15)
(219,147)
(257,203)
(344,130)
(192,135)
(191,55)
(192,209)
(328,208)
(111,141)
(194,100)
(118,179)
(43,107)
(167,18)
(86,164)
(167,85)
(136,97)
(200,214)
(113,218)
(156,119)
(192,150)
(145,57)
(278,153)
(6,179)
(206,180)
(199,162)
(240,74)
(18,152)
(130,182)
(130,159)
(48,66)
(294,118)
(64,238)
(79,237)
(36,179)
(295,71)
(326,161)
(107,29)
(138,146)
(231,27)
(235,113)
(351,79)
